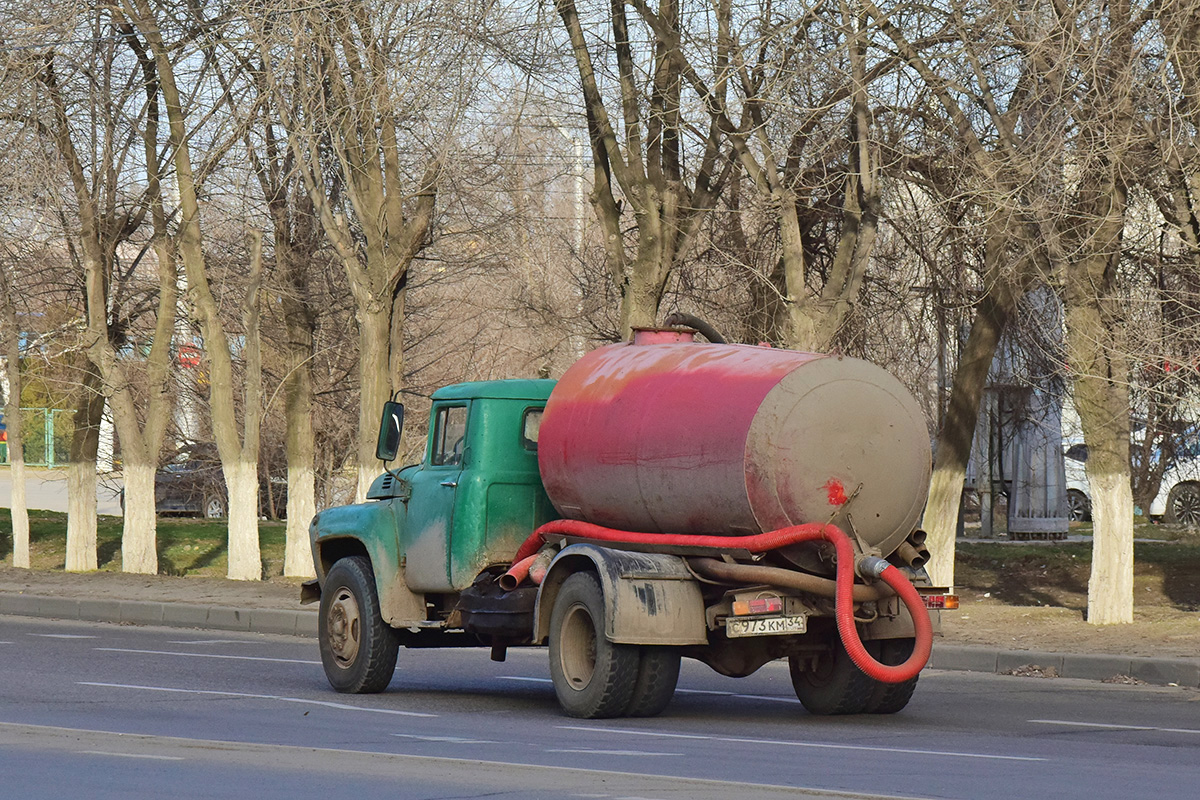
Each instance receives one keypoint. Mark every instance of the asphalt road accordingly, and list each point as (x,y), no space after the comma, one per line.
(107,711)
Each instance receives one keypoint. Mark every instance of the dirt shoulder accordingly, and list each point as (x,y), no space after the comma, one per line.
(982,620)
(281,593)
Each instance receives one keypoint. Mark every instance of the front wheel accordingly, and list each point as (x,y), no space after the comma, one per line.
(358,649)
(593,677)
(1183,505)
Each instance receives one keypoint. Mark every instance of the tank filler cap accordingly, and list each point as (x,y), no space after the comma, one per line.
(663,335)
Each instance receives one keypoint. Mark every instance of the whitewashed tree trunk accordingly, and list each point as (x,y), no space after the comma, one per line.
(245,557)
(81,517)
(1110,586)
(941,521)
(11,374)
(375,331)
(20,513)
(301,507)
(138,532)
(962,414)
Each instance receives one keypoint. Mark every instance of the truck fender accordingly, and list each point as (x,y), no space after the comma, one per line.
(337,533)
(649,598)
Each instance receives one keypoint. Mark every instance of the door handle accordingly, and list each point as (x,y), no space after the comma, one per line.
(450,483)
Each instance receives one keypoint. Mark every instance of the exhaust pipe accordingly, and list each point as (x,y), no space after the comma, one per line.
(911,555)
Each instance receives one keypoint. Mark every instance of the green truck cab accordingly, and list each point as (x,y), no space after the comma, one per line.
(429,530)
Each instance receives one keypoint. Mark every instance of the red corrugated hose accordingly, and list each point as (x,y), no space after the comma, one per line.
(772,540)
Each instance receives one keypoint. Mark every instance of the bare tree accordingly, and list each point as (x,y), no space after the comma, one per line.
(349,78)
(108,215)
(639,162)
(238,449)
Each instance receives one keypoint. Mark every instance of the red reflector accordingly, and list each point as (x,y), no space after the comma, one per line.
(947,601)
(761,605)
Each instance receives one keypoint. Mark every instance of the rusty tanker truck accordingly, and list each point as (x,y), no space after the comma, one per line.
(666,498)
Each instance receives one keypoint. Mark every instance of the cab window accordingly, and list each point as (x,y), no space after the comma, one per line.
(449,437)
(531,424)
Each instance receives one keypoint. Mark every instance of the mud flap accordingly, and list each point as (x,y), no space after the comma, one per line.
(649,598)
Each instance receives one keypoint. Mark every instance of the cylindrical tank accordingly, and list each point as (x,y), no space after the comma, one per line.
(669,435)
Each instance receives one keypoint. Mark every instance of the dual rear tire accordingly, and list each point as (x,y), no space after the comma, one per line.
(833,684)
(595,678)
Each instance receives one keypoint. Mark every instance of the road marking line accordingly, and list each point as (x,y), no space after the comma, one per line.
(1112,726)
(204,655)
(772,699)
(613,752)
(677,691)
(131,755)
(447,739)
(304,701)
(212,641)
(63,635)
(815,745)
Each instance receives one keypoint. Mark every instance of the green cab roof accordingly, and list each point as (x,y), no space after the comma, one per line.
(496,390)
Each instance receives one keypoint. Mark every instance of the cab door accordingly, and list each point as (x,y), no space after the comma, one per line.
(430,520)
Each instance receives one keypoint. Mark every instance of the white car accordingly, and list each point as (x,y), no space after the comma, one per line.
(1178,500)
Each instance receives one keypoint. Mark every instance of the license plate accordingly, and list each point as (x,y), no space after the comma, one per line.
(765,626)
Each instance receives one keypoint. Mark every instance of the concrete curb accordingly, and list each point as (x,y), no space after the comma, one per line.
(1087,666)
(954,658)
(171,615)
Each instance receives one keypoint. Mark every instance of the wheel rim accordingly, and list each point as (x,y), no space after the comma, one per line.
(821,671)
(214,508)
(577,655)
(1076,508)
(1187,507)
(345,628)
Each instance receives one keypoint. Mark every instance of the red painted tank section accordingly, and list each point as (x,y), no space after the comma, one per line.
(652,437)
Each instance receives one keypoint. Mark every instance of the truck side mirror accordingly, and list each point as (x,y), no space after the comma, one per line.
(390,427)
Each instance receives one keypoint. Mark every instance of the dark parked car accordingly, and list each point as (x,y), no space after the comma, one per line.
(193,485)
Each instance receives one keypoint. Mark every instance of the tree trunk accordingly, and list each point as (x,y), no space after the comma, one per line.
(16,460)
(1102,400)
(1110,585)
(138,531)
(298,399)
(375,333)
(81,516)
(957,434)
(81,473)
(20,511)
(301,508)
(245,557)
(12,419)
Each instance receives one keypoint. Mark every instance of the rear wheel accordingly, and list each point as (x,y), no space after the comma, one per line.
(358,649)
(593,677)
(831,685)
(1183,505)
(888,698)
(658,673)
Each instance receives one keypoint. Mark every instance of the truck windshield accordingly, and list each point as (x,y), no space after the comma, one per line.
(449,435)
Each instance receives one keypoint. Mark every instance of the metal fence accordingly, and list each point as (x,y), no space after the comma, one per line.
(46,435)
